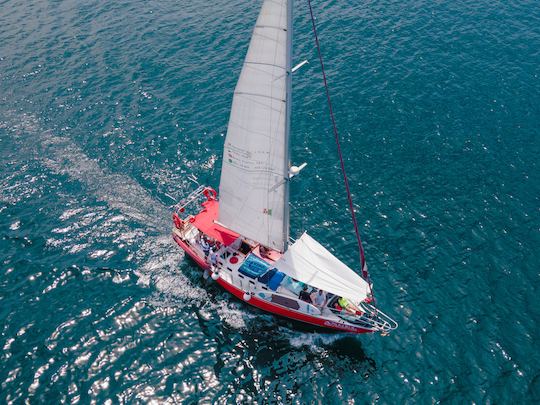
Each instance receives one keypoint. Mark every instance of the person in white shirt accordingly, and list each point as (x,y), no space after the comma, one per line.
(205,246)
(319,298)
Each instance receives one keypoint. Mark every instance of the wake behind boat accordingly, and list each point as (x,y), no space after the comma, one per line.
(242,238)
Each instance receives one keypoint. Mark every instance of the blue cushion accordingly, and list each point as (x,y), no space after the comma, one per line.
(265,278)
(275,281)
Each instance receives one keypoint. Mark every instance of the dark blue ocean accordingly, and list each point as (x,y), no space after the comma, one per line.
(106,108)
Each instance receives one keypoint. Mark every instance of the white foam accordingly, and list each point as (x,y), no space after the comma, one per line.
(314,341)
(156,258)
(118,191)
(15,225)
(159,260)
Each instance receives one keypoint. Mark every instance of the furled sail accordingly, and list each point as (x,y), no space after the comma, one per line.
(254,177)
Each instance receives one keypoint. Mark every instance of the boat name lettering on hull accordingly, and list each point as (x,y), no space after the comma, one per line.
(340,325)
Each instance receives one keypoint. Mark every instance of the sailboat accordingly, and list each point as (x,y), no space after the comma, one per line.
(241,237)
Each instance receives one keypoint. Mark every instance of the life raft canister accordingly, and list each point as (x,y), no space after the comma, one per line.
(177,221)
(210,193)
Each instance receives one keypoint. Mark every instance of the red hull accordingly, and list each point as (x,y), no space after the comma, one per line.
(269,307)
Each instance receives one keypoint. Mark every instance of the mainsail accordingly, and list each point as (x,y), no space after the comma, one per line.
(254,176)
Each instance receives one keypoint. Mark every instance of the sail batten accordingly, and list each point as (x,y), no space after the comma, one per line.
(254,177)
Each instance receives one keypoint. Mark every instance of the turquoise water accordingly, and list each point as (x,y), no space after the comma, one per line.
(106,107)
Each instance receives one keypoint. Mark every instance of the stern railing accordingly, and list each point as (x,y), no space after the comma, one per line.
(189,199)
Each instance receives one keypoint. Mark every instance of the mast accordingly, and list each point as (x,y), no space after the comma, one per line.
(286,208)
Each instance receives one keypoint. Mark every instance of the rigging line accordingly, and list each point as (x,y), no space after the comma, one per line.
(336,136)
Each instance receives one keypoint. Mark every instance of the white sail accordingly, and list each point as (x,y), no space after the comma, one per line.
(308,261)
(254,177)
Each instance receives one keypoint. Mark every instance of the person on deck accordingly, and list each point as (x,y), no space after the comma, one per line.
(213,258)
(319,298)
(263,252)
(304,295)
(205,246)
(349,306)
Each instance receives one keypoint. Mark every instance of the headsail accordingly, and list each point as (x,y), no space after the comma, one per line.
(254,177)
(308,261)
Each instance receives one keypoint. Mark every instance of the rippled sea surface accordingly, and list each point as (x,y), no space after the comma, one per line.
(107,106)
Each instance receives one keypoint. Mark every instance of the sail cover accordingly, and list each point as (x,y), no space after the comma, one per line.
(253,190)
(308,261)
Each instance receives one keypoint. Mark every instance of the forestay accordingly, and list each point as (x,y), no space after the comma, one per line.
(308,261)
(253,190)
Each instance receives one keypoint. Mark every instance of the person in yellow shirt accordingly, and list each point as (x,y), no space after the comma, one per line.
(349,306)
